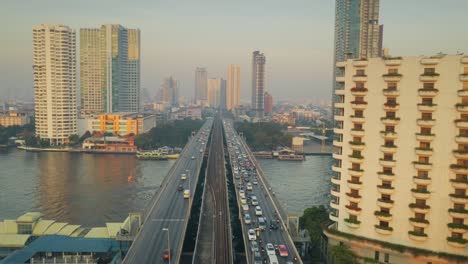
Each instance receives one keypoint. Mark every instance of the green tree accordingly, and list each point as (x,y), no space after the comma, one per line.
(343,254)
(74,140)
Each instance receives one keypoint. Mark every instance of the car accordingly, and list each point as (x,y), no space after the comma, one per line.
(270,249)
(243,200)
(166,254)
(273,224)
(201,150)
(180,188)
(255,182)
(262,223)
(183,176)
(245,207)
(247,219)
(242,193)
(254,246)
(187,170)
(252,235)
(186,194)
(254,200)
(283,251)
(249,187)
(258,211)
(193,157)
(257,258)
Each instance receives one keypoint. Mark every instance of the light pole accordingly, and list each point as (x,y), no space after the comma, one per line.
(168,244)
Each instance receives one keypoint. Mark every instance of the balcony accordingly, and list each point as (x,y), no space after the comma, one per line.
(337,143)
(352,223)
(462,107)
(458,213)
(353,210)
(464,77)
(417,236)
(421,194)
(463,139)
(340,79)
(337,130)
(339,118)
(356,159)
(459,184)
(417,222)
(359,105)
(384,189)
(427,107)
(457,242)
(424,137)
(335,192)
(460,123)
(390,120)
(388,163)
(420,209)
(385,203)
(339,105)
(391,92)
(354,185)
(429,77)
(386,176)
(360,78)
(388,148)
(391,107)
(459,198)
(426,122)
(357,132)
(457,228)
(334,205)
(393,61)
(356,172)
(460,154)
(336,180)
(382,216)
(422,165)
(423,151)
(333,217)
(459,169)
(428,92)
(464,60)
(341,64)
(392,77)
(360,63)
(463,93)
(357,145)
(430,61)
(383,230)
(357,119)
(355,198)
(422,180)
(358,91)
(388,134)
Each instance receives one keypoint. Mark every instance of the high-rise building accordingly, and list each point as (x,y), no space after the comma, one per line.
(258,82)
(201,86)
(170,91)
(223,95)
(268,103)
(400,171)
(214,92)
(233,87)
(54,70)
(109,69)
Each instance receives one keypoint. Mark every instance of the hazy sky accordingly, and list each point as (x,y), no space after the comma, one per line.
(177,36)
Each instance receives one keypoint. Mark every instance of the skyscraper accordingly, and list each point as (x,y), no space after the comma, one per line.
(258,82)
(201,86)
(110,69)
(223,95)
(54,70)
(214,92)
(268,99)
(170,91)
(233,87)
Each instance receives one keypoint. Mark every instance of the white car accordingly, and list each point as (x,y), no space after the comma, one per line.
(242,193)
(247,219)
(252,235)
(254,200)
(255,182)
(183,176)
(258,211)
(249,186)
(270,249)
(243,200)
(193,157)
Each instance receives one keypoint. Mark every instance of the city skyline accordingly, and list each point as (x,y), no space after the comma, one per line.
(286,41)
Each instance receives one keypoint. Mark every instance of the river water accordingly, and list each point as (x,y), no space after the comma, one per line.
(89,189)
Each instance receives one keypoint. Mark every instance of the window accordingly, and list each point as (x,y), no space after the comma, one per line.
(427,101)
(393,71)
(426,116)
(376,255)
(428,85)
(465,70)
(360,73)
(359,85)
(392,86)
(386,258)
(24,228)
(429,70)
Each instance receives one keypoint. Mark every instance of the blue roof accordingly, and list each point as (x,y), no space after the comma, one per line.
(55,243)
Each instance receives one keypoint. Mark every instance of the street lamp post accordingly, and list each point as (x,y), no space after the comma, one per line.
(168,244)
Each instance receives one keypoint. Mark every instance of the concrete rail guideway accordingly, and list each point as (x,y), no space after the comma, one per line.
(168,213)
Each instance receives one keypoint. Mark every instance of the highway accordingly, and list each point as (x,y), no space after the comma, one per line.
(166,220)
(242,160)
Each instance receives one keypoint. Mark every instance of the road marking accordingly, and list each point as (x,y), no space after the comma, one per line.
(167,219)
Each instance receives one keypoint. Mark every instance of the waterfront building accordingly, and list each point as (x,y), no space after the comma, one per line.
(117,123)
(13,118)
(109,69)
(400,171)
(268,103)
(54,71)
(201,86)
(258,82)
(214,92)
(110,144)
(233,87)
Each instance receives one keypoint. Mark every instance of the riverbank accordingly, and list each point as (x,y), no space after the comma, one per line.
(75,150)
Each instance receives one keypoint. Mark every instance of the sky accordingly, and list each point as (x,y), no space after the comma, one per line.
(179,35)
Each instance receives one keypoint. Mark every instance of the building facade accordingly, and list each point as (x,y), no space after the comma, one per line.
(268,102)
(214,92)
(201,86)
(258,82)
(109,69)
(117,124)
(223,95)
(233,87)
(13,118)
(54,71)
(399,185)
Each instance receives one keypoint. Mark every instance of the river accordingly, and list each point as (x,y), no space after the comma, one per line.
(90,189)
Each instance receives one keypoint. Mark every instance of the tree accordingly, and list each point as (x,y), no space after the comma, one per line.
(74,140)
(343,254)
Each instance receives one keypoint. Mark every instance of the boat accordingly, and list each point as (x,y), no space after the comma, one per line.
(294,157)
(151,155)
(173,156)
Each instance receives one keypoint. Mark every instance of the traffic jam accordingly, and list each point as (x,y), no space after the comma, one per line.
(260,221)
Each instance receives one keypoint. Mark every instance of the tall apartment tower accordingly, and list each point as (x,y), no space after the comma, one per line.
(400,171)
(214,92)
(109,69)
(268,99)
(170,91)
(54,70)
(258,82)
(201,86)
(233,87)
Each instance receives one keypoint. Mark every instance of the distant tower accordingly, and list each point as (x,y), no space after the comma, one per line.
(233,87)
(201,86)
(258,82)
(170,91)
(54,70)
(268,99)
(214,92)
(223,95)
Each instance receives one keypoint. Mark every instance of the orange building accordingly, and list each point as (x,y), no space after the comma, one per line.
(118,124)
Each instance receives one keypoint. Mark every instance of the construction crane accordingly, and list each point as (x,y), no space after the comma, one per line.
(324,130)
